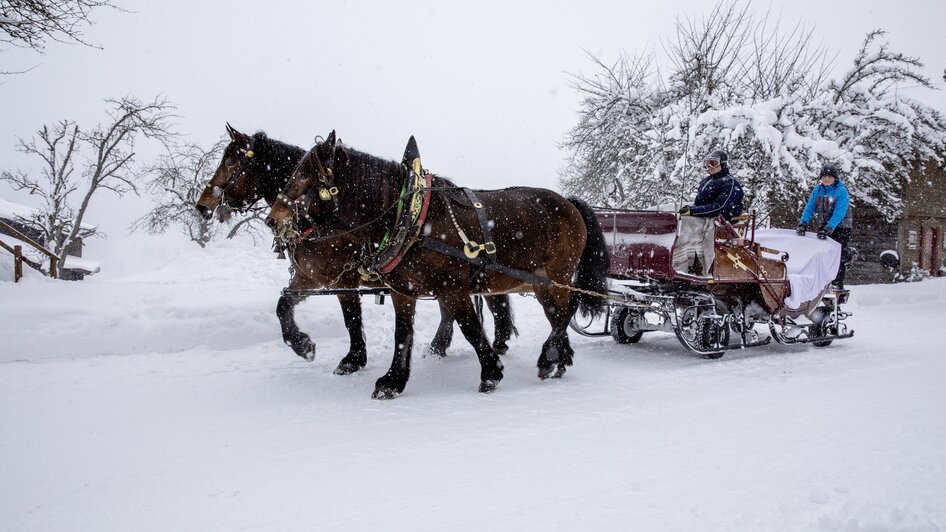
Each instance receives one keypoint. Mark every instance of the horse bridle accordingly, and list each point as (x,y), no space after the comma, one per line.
(326,192)
(221,191)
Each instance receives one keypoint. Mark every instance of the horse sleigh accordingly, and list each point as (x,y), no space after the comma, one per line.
(355,224)
(750,285)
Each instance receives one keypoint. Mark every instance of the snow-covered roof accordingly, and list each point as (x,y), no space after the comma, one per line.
(78,263)
(12,211)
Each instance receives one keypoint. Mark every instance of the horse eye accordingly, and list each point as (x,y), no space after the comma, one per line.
(217,192)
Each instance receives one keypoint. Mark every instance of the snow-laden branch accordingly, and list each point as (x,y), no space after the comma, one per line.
(767,99)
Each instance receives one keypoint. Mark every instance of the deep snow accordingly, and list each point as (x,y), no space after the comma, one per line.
(157,395)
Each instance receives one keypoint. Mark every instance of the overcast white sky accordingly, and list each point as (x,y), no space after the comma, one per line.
(484,86)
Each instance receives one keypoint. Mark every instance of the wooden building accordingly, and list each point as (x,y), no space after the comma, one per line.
(917,238)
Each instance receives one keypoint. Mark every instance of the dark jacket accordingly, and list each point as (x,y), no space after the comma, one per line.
(830,204)
(718,194)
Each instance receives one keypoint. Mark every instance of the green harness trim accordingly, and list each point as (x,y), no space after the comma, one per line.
(397,216)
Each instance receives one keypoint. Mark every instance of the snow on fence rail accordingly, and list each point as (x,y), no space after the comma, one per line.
(19,259)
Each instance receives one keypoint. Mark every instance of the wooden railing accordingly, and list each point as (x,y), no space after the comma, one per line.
(19,259)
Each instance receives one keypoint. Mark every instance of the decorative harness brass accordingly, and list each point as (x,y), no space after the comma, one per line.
(409,222)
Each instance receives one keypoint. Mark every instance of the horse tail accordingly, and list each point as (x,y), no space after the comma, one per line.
(594,264)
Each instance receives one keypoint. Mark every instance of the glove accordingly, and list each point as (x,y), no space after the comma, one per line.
(824,232)
(685,210)
(801,229)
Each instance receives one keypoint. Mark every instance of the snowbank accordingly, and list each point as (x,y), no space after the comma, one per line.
(158,396)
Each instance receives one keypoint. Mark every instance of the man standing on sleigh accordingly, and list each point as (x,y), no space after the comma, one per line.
(718,194)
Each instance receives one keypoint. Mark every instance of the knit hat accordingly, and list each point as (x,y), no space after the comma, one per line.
(829,169)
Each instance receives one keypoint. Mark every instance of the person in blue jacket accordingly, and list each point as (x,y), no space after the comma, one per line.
(830,205)
(717,194)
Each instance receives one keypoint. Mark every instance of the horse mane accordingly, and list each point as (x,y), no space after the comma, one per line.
(375,181)
(276,159)
(280,156)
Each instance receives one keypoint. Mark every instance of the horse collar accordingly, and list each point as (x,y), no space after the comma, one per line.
(409,221)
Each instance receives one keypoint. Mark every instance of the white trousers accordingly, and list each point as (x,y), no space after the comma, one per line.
(695,237)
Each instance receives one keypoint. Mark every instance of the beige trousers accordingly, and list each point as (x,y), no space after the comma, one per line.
(695,236)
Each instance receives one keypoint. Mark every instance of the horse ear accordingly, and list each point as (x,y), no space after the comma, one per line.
(327,149)
(236,135)
(410,152)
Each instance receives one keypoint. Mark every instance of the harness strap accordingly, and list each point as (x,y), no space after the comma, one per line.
(471,248)
(438,246)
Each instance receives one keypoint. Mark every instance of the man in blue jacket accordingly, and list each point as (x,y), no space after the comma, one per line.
(718,194)
(831,205)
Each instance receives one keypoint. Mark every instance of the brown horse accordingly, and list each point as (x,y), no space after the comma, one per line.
(554,245)
(258,167)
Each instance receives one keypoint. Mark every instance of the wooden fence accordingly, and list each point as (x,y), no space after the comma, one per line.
(19,259)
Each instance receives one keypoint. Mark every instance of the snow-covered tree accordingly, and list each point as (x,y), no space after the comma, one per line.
(104,157)
(763,95)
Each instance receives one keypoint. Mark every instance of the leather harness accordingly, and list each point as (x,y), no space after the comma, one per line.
(410,224)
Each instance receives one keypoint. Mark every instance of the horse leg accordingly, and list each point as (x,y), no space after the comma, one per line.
(394,381)
(294,338)
(357,355)
(502,320)
(557,352)
(444,336)
(491,368)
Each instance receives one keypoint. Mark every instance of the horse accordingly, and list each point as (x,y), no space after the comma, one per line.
(258,167)
(543,243)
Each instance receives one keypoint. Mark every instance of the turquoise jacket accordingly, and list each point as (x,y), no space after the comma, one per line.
(830,204)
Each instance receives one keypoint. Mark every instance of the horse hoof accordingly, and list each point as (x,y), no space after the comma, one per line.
(347,368)
(545,373)
(439,352)
(488,386)
(303,347)
(306,351)
(559,371)
(385,393)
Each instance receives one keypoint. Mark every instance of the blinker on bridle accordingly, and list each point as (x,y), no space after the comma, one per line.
(218,190)
(302,203)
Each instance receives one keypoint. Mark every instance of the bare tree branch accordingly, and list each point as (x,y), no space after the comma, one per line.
(29,23)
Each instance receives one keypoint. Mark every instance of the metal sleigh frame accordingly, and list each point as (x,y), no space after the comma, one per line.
(703,312)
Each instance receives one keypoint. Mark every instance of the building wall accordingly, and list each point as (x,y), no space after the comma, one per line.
(871,235)
(923,219)
(925,214)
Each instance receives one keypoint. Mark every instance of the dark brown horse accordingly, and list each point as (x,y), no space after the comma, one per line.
(258,167)
(555,245)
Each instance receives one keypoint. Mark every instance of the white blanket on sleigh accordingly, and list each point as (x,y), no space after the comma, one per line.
(812,263)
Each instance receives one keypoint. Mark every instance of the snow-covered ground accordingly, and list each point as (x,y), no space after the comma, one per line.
(157,395)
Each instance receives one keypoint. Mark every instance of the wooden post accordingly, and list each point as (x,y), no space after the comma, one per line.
(52,267)
(17,263)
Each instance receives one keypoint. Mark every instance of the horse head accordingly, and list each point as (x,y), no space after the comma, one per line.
(311,189)
(234,185)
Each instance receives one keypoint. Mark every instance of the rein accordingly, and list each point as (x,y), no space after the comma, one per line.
(357,228)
